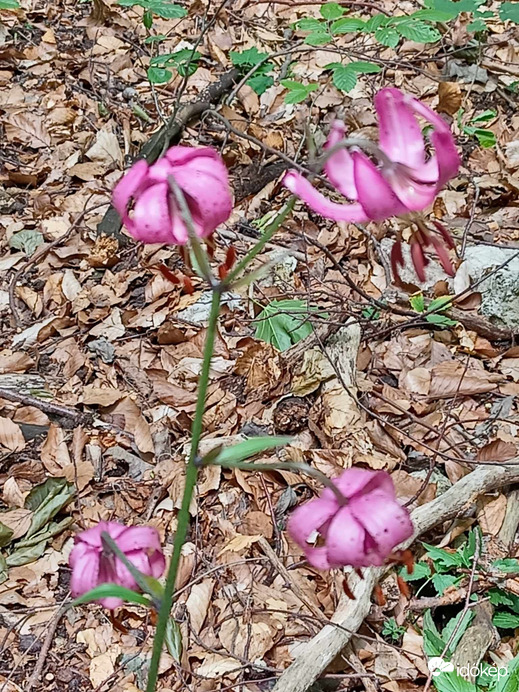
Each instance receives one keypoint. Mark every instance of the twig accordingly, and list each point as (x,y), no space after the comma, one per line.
(52,627)
(322,649)
(56,410)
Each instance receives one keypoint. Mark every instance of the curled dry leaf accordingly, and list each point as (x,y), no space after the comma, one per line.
(11,436)
(498,451)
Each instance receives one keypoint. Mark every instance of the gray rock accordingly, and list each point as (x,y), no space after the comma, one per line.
(500,292)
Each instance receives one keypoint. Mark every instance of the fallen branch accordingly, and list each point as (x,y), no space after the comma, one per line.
(56,411)
(110,224)
(320,651)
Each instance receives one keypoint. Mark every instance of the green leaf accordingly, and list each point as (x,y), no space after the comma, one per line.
(310,24)
(442,582)
(506,620)
(9,4)
(23,556)
(440,320)
(433,644)
(387,36)
(486,138)
(417,302)
(344,78)
(283,323)
(377,21)
(347,25)
(4,570)
(5,534)
(249,57)
(509,10)
(363,67)
(432,15)
(508,564)
(158,38)
(440,303)
(458,624)
(500,597)
(421,571)
(46,500)
(319,38)
(510,682)
(485,117)
(147,19)
(166,10)
(159,75)
(27,240)
(174,639)
(442,558)
(260,83)
(452,682)
(477,26)
(249,448)
(111,591)
(297,92)
(420,32)
(331,11)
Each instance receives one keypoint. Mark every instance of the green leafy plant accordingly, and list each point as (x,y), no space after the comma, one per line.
(184,61)
(392,631)
(297,92)
(283,323)
(261,80)
(485,137)
(9,4)
(160,8)
(435,311)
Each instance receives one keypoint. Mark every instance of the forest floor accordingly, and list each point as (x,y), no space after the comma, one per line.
(101,352)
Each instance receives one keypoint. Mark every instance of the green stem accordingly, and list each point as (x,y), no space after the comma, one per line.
(190,483)
(288,466)
(140,579)
(265,238)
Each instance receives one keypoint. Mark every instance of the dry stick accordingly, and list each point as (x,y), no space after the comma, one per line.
(51,409)
(322,649)
(52,627)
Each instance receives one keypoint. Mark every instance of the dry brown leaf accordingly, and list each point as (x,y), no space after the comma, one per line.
(81,474)
(106,149)
(101,396)
(238,543)
(11,436)
(497,450)
(451,378)
(54,451)
(18,520)
(450,97)
(198,603)
(27,128)
(491,513)
(16,361)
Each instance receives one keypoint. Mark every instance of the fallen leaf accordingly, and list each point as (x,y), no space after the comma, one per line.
(497,450)
(11,436)
(198,603)
(27,128)
(450,97)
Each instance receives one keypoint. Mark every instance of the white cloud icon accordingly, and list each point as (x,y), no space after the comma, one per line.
(437,665)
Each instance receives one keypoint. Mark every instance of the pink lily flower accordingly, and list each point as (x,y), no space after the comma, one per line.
(405,180)
(199,173)
(92,565)
(361,532)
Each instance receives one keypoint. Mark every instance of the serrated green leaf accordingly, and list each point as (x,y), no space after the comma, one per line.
(477,26)
(249,57)
(510,681)
(159,75)
(421,571)
(318,38)
(376,22)
(249,448)
(331,11)
(418,31)
(166,10)
(27,240)
(347,25)
(417,302)
(297,92)
(432,15)
(456,627)
(442,558)
(510,11)
(506,620)
(9,4)
(508,564)
(344,78)
(387,36)
(111,591)
(363,67)
(433,644)
(310,24)
(441,582)
(485,117)
(452,682)
(260,83)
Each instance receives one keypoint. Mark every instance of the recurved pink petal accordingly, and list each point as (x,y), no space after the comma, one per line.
(310,517)
(299,186)
(339,167)
(151,221)
(139,538)
(85,573)
(126,188)
(356,480)
(375,195)
(157,564)
(414,194)
(317,557)
(93,536)
(385,520)
(345,540)
(400,135)
(447,157)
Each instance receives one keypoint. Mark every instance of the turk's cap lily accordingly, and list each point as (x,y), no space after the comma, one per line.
(92,565)
(362,532)
(202,177)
